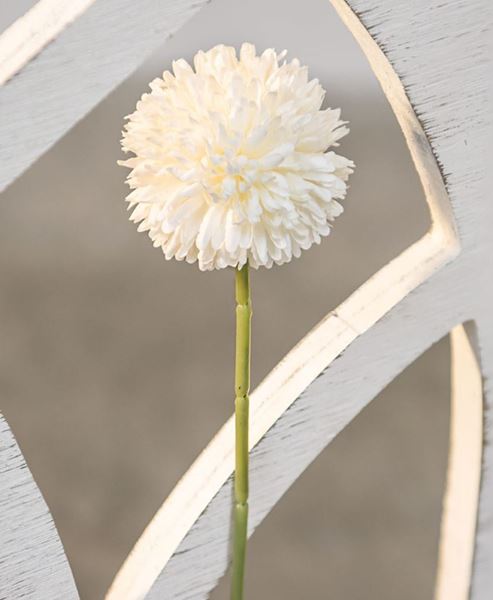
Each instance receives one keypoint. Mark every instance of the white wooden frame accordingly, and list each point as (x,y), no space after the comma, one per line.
(434,74)
(82,49)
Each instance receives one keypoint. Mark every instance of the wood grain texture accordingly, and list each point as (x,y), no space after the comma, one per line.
(33,565)
(29,34)
(76,71)
(430,58)
(434,72)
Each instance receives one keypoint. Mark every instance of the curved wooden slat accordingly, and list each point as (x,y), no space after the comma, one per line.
(464,470)
(379,330)
(284,452)
(81,65)
(32,561)
(437,51)
(29,34)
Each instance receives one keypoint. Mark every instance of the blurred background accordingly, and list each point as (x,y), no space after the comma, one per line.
(116,366)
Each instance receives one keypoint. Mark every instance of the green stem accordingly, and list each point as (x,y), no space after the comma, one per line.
(242,387)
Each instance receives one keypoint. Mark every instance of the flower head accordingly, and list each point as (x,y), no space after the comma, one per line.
(230,160)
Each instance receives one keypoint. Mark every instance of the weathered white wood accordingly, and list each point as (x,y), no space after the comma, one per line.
(29,34)
(33,565)
(76,70)
(438,51)
(434,73)
(464,470)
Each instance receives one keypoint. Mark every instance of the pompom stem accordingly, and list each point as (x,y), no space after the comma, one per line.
(242,387)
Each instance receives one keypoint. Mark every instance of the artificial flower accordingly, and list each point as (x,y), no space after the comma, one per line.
(231,160)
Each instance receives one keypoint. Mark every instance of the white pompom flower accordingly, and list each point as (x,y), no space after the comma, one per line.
(231,162)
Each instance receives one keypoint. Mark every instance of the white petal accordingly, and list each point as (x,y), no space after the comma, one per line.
(231,160)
